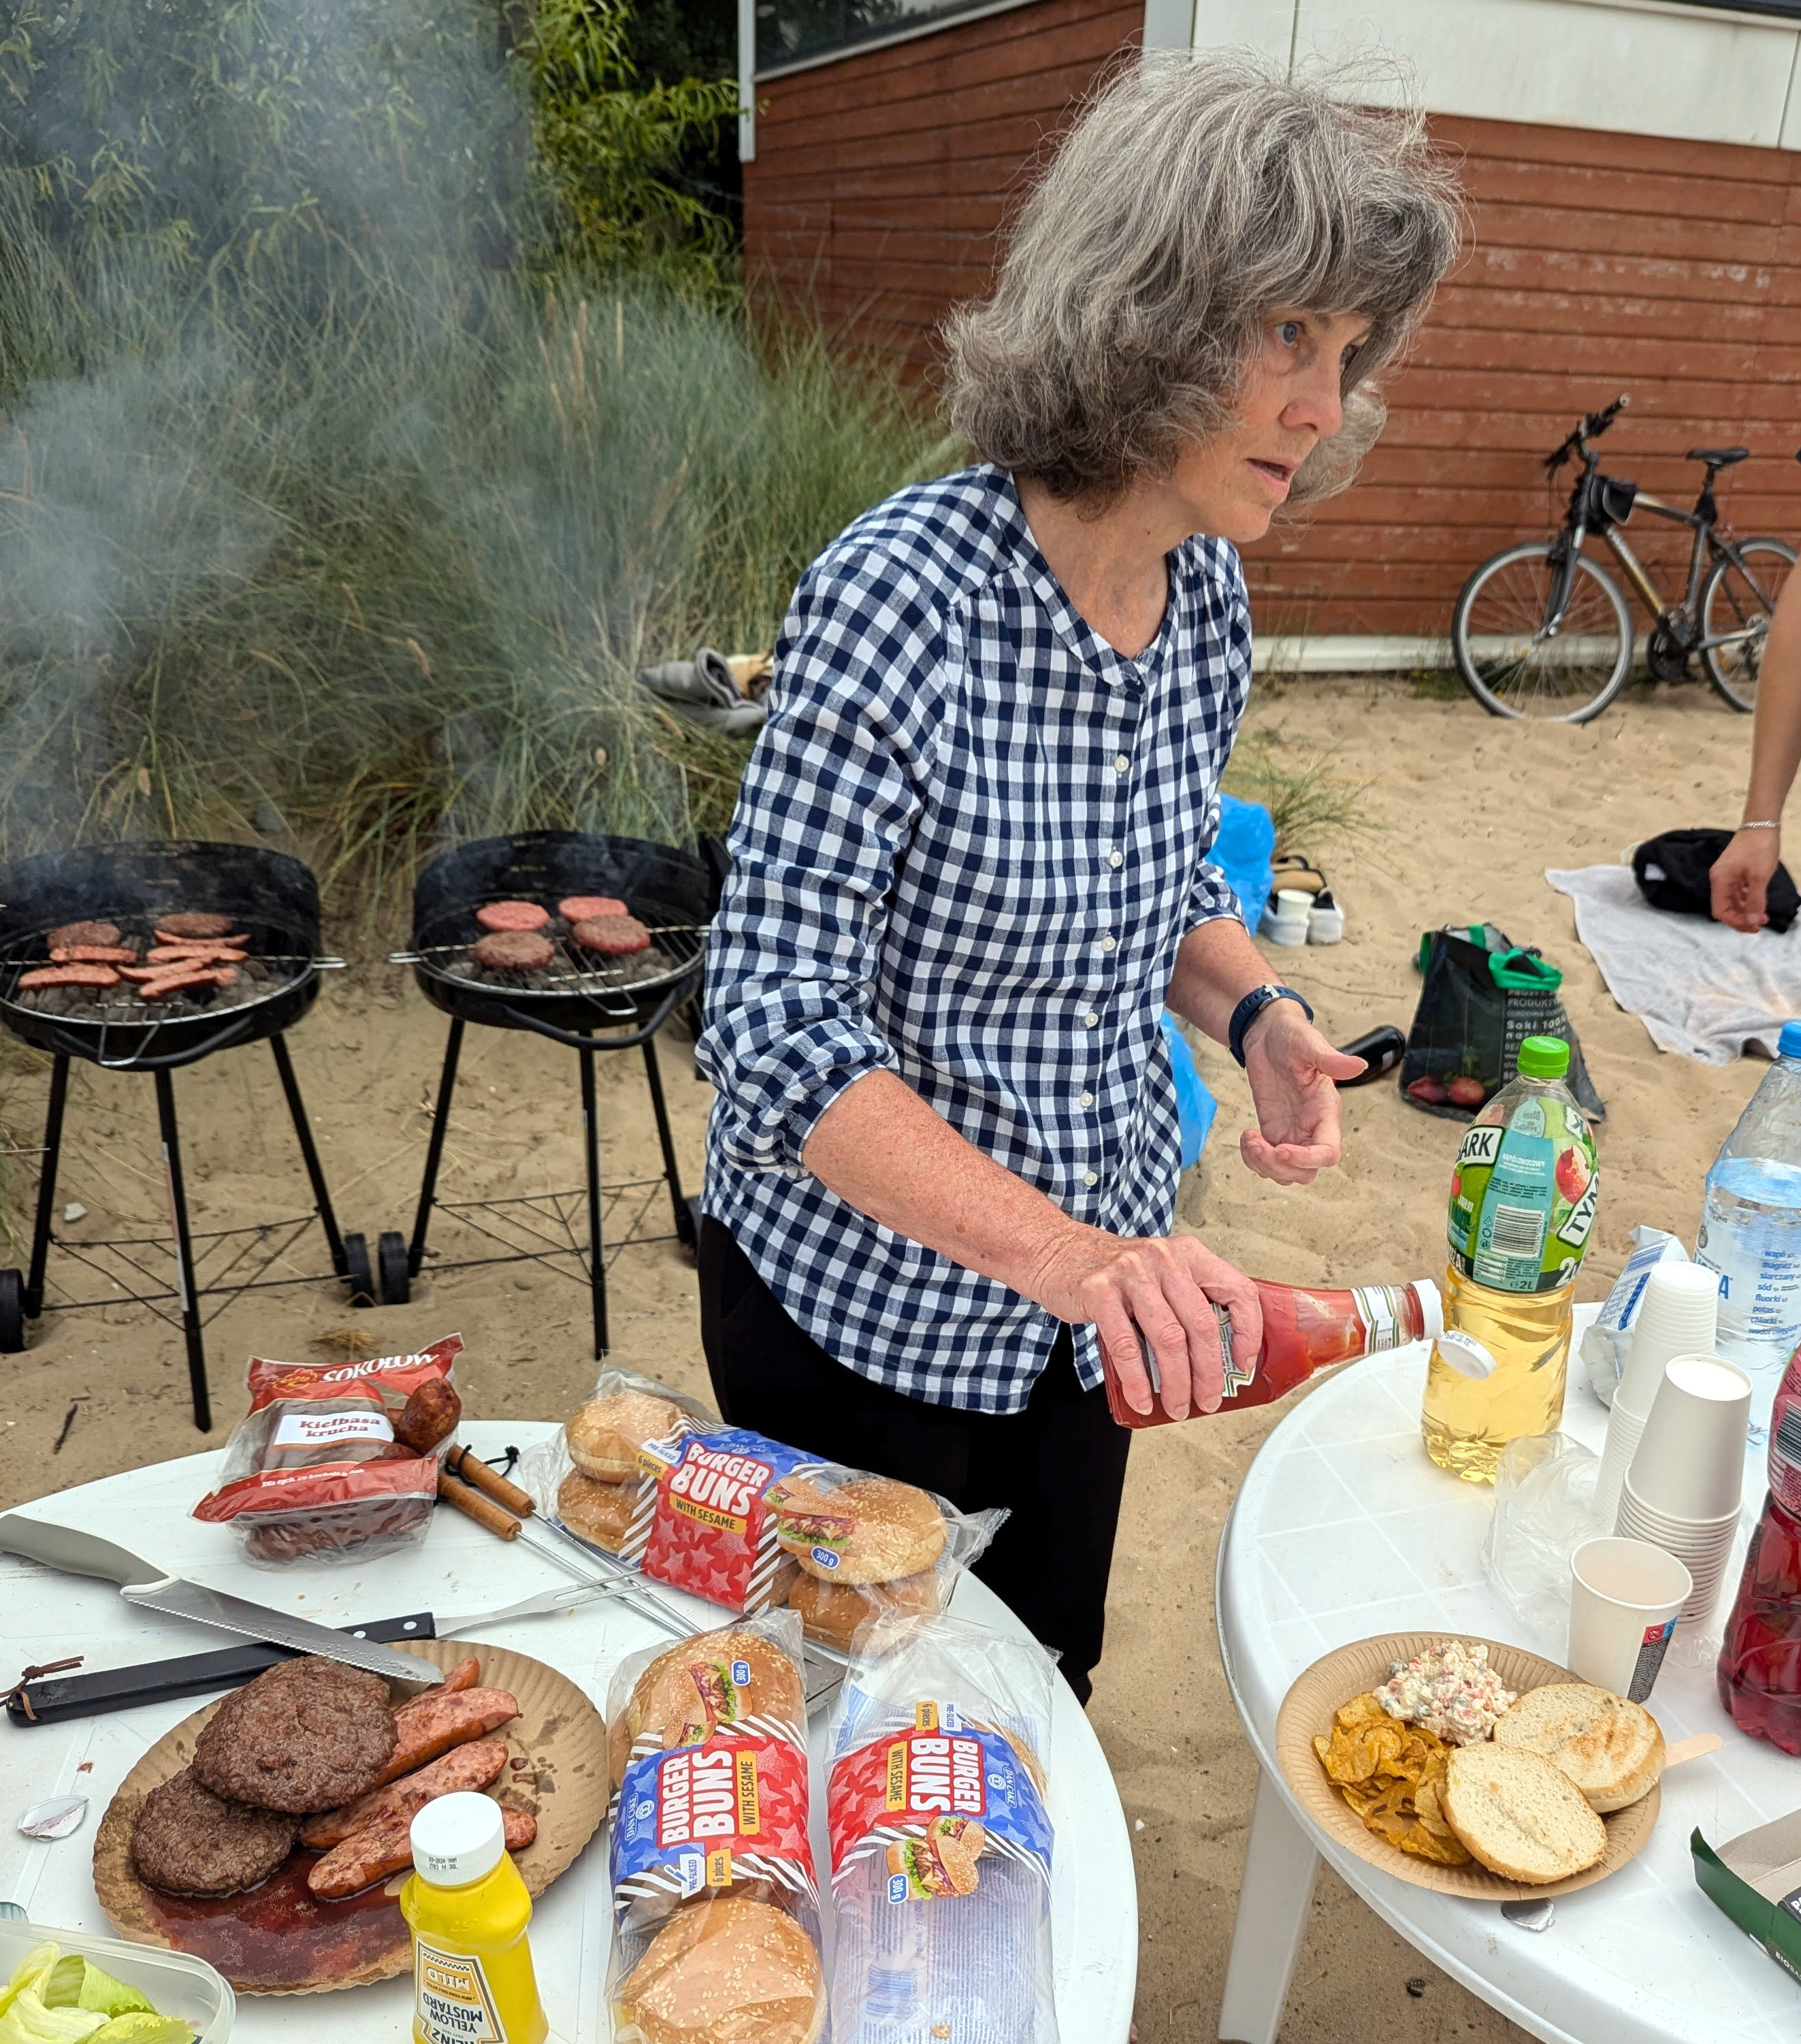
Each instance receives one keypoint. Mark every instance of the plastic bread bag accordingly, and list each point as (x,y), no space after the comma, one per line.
(716,1899)
(941,1843)
(745,1522)
(338,1461)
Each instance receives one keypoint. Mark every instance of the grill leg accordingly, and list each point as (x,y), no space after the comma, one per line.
(671,1170)
(597,1258)
(46,1185)
(435,1147)
(184,1252)
(309,1154)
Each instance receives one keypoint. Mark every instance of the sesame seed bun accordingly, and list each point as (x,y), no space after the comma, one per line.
(688,1693)
(605,1436)
(871,1530)
(729,1972)
(599,1511)
(834,1612)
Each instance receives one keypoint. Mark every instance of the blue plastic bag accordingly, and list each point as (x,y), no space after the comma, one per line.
(1195,1106)
(1245,851)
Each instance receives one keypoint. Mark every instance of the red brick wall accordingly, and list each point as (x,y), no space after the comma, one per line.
(1597,264)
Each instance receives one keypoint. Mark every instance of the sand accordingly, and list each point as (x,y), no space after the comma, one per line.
(1463,815)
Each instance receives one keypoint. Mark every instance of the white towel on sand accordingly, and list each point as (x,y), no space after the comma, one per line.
(1695,985)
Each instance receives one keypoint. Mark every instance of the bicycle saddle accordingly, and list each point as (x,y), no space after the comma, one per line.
(1718,457)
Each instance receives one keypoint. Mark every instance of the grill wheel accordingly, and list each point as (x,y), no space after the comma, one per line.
(12,1312)
(391,1258)
(358,1275)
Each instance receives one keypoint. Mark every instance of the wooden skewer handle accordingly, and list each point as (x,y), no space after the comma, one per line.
(1692,1748)
(461,1463)
(473,1505)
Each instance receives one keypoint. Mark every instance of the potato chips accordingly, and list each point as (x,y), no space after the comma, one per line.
(1390,1774)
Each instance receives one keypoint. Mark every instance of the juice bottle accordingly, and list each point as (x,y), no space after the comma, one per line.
(1522,1204)
(472,1977)
(1760,1664)
(1304,1329)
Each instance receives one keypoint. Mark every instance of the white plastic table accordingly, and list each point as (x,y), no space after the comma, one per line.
(460,1568)
(1344,1529)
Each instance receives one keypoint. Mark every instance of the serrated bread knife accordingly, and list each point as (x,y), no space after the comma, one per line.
(142,1583)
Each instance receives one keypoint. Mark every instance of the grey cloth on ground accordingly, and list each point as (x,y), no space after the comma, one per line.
(702,689)
(1699,987)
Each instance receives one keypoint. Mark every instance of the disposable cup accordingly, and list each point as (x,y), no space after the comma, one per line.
(1665,1526)
(1624,1431)
(1293,901)
(1704,1550)
(1690,1460)
(1624,1597)
(1679,1314)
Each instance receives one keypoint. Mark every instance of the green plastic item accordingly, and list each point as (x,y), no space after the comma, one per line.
(1544,1057)
(1756,1881)
(1523,971)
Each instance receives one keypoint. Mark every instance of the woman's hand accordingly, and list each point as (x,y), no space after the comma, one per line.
(1293,1072)
(1157,1291)
(1740,877)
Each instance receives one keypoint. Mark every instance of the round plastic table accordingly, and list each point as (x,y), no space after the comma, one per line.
(1343,1529)
(459,1568)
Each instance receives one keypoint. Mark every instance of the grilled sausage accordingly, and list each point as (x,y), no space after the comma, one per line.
(430,1414)
(471,1766)
(93,955)
(434,1723)
(386,1849)
(160,990)
(69,975)
(196,953)
(465,1675)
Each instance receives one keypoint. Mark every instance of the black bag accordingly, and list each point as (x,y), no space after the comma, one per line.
(1483,995)
(1671,872)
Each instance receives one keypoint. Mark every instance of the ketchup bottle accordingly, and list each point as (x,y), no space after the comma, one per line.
(1305,1330)
(1760,1665)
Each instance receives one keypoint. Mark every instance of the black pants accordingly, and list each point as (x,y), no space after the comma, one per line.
(1059,1466)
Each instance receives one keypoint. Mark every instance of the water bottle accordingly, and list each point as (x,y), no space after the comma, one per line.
(1750,1232)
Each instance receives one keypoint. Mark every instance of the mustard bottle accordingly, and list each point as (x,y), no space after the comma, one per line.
(472,1977)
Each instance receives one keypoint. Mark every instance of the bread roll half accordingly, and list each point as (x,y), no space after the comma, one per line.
(1519,1815)
(1612,1749)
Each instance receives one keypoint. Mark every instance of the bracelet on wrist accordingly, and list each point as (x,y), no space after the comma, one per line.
(1253,1005)
(1762,823)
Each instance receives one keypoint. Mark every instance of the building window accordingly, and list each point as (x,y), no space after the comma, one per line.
(1789,8)
(791,31)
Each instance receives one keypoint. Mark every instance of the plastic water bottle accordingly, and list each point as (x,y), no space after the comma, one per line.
(1751,1231)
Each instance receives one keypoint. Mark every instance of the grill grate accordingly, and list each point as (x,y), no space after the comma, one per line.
(675,951)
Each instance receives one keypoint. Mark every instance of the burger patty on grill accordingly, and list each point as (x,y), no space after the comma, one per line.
(305,1735)
(581,907)
(187,1841)
(192,923)
(511,915)
(514,950)
(82,933)
(616,936)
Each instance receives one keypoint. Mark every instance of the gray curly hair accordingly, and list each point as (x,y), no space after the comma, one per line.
(1197,197)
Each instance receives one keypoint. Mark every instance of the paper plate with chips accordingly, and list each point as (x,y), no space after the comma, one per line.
(1370,1782)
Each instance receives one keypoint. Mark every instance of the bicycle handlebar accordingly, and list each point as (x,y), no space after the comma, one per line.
(1593,425)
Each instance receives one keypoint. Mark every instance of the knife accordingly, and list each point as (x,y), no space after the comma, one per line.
(142,1583)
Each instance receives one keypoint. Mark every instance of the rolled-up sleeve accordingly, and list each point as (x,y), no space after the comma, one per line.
(828,807)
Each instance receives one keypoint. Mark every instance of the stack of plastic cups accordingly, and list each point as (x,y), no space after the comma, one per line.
(1685,1487)
(1676,1316)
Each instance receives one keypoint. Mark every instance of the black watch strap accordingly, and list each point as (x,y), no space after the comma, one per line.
(1253,1005)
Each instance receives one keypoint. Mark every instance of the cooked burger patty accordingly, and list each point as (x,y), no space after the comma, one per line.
(82,933)
(194,923)
(615,936)
(581,908)
(511,915)
(306,1735)
(517,950)
(187,1841)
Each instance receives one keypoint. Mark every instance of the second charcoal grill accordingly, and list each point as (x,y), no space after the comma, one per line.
(572,1001)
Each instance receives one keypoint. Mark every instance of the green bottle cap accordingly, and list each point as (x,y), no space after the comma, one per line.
(1544,1058)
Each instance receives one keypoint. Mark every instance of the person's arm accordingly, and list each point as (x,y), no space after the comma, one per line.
(1741,877)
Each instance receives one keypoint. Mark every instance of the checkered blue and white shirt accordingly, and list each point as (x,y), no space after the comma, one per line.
(969,840)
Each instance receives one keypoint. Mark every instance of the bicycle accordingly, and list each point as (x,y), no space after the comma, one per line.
(1541,630)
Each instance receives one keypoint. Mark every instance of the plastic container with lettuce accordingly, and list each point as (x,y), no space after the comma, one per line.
(52,1999)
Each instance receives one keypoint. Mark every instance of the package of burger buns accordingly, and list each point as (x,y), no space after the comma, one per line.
(746,1522)
(338,1461)
(941,1842)
(716,1900)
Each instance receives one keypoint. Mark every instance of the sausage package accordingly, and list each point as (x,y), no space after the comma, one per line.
(748,1523)
(714,1889)
(941,1842)
(338,1461)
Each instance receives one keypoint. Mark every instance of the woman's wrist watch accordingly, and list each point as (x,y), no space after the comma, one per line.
(1253,1005)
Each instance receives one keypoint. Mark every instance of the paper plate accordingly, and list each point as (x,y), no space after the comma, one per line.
(1348,1671)
(277,1938)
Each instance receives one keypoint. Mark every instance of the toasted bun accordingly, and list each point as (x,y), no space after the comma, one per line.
(876,1530)
(605,1436)
(732,1972)
(1612,1749)
(1519,1815)
(836,1612)
(599,1511)
(687,1694)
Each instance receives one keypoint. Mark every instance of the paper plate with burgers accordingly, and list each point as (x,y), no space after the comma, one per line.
(1470,1767)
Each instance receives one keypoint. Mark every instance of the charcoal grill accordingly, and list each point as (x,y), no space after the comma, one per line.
(588,1003)
(275,901)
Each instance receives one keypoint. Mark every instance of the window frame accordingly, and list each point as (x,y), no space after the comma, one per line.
(952,15)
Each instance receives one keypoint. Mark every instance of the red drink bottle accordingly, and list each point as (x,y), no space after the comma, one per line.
(1305,1330)
(1760,1666)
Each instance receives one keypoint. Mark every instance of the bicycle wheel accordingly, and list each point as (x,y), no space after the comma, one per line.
(1733,601)
(1510,663)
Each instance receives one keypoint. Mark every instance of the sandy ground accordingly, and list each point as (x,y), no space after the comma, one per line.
(1463,814)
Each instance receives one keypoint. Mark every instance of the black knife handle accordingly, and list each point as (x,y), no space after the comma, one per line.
(58,1696)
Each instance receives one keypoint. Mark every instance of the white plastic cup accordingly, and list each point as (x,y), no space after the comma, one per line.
(1690,1461)
(1293,901)
(1624,1597)
(1281,927)
(1679,1314)
(1704,1547)
(1625,1429)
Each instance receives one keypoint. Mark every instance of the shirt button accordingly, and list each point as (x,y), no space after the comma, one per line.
(1087,1099)
(1121,761)
(1088,1021)
(1108,944)
(1091,1178)
(1115,859)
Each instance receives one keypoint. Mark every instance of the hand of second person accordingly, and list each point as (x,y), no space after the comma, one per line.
(1155,1289)
(1292,1071)
(1740,880)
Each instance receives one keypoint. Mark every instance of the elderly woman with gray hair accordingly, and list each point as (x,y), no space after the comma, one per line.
(970,852)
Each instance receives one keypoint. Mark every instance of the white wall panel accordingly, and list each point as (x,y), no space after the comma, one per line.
(1264,25)
(1169,25)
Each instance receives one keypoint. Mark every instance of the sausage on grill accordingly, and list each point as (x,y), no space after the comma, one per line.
(191,952)
(82,933)
(192,924)
(514,950)
(93,955)
(615,936)
(511,915)
(183,982)
(386,1849)
(69,975)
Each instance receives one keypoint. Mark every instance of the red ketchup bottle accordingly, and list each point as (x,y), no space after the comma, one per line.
(1760,1666)
(1305,1330)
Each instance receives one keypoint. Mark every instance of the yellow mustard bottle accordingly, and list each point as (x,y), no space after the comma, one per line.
(472,1977)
